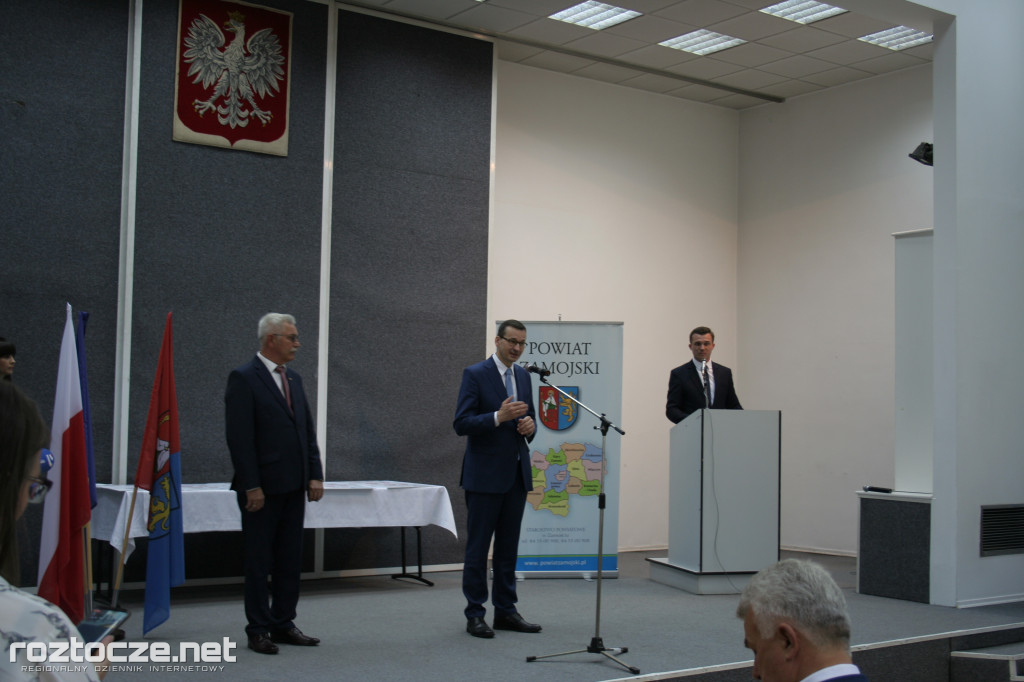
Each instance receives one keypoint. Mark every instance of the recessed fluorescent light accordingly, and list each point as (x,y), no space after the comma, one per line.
(702,42)
(595,15)
(803,11)
(899,38)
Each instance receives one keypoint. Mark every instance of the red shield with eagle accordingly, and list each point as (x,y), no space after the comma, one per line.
(556,411)
(234,62)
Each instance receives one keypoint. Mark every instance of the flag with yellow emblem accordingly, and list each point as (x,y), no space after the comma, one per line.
(159,472)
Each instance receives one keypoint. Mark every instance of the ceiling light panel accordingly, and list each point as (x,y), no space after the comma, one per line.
(802,11)
(702,42)
(899,38)
(595,15)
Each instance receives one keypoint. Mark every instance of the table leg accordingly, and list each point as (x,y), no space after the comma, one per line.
(418,576)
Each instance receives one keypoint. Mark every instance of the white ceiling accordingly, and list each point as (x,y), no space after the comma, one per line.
(781,58)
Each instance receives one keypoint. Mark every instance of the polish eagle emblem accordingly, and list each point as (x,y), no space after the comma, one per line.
(239,72)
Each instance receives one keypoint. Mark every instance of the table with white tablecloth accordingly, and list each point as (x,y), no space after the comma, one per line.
(214,507)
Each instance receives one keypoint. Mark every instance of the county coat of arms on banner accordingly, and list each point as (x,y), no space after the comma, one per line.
(556,411)
(233,75)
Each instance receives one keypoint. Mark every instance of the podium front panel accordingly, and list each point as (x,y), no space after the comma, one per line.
(724,497)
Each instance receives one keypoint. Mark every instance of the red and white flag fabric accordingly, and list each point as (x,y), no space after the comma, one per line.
(67,507)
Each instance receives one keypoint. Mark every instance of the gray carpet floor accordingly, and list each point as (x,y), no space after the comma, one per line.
(376,628)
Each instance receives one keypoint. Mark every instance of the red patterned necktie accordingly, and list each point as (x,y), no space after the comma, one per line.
(284,386)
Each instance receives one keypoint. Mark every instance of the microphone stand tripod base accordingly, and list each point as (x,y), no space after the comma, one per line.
(596,647)
(596,643)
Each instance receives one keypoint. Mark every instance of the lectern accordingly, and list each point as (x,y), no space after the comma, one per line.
(723,500)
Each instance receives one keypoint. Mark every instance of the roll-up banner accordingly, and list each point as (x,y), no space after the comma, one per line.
(561,522)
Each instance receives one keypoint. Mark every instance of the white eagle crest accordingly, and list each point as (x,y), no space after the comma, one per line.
(241,70)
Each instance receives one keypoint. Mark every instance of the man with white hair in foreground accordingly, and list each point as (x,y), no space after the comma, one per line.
(795,622)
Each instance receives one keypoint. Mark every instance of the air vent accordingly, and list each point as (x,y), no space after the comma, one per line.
(1002,529)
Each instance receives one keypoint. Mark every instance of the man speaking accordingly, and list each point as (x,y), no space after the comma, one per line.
(495,412)
(697,384)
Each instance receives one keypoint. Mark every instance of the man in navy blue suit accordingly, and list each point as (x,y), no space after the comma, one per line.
(495,412)
(698,383)
(795,622)
(277,466)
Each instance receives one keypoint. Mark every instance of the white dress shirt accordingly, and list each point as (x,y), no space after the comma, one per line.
(711,377)
(272,368)
(832,672)
(501,368)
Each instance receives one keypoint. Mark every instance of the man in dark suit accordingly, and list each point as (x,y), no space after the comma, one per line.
(698,383)
(495,412)
(273,449)
(795,621)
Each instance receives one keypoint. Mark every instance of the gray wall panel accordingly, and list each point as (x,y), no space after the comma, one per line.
(61,117)
(409,262)
(223,236)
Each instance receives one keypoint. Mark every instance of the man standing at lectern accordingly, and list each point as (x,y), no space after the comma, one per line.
(697,384)
(495,412)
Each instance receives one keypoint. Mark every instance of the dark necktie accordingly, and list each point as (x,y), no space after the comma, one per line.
(284,386)
(707,388)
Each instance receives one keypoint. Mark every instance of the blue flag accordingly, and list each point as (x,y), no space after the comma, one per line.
(83,378)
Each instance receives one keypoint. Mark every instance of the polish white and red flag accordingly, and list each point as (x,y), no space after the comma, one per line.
(67,508)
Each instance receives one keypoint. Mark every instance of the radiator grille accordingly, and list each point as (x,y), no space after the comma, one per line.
(1002,529)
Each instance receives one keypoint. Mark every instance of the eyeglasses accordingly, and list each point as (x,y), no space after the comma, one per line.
(294,338)
(513,342)
(38,488)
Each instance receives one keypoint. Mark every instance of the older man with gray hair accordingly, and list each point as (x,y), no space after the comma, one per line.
(795,622)
(270,434)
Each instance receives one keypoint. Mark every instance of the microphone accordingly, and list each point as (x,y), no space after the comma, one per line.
(537,370)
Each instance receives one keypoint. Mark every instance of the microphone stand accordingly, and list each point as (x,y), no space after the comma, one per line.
(596,643)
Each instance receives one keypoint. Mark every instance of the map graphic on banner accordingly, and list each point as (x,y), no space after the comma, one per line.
(575,469)
(561,521)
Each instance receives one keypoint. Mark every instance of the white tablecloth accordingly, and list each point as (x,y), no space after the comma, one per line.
(213,507)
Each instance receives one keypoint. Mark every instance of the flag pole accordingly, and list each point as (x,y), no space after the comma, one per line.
(124,543)
(87,558)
